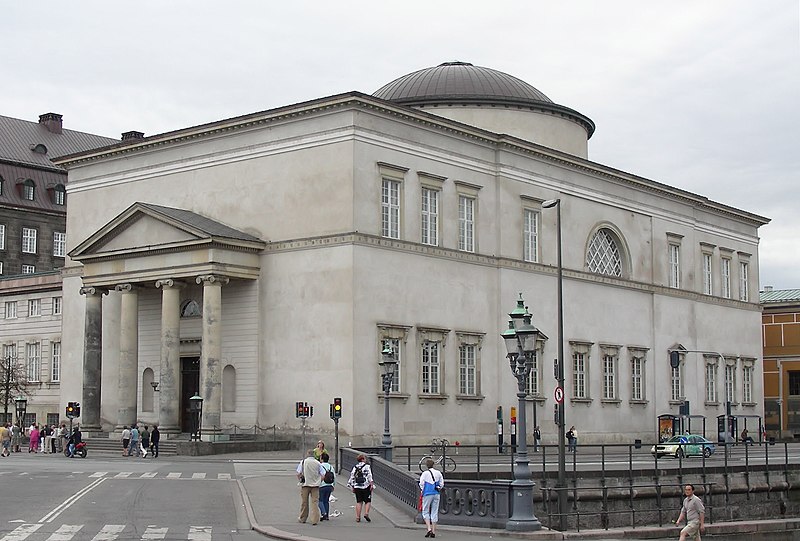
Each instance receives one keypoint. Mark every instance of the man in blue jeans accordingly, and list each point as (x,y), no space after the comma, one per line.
(133,447)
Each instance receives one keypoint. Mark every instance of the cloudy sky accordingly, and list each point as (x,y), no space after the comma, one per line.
(700,95)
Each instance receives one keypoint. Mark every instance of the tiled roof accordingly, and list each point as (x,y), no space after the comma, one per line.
(18,137)
(43,180)
(780,295)
(206,225)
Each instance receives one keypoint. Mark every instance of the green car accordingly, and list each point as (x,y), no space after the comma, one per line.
(684,445)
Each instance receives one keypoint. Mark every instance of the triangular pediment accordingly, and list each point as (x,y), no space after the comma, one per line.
(144,227)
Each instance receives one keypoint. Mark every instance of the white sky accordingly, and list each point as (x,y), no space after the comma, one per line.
(698,95)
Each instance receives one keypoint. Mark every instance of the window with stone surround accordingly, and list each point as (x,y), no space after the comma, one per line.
(34,307)
(744,281)
(610,358)
(730,379)
(432,342)
(59,244)
(29,190)
(676,378)
(11,310)
(466,223)
(57,304)
(674,265)
(430,216)
(469,361)
(638,358)
(59,195)
(34,361)
(28,240)
(530,235)
(580,370)
(708,277)
(747,380)
(712,363)
(55,362)
(725,272)
(391,199)
(395,336)
(604,254)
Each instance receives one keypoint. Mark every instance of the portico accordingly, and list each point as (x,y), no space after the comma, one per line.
(147,248)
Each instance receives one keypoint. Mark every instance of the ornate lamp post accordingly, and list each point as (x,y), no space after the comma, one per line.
(388,364)
(520,339)
(22,405)
(196,408)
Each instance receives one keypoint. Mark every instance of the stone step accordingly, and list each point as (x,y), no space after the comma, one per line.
(165,447)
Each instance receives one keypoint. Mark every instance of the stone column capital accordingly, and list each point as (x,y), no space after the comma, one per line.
(169,283)
(211,279)
(91,290)
(126,288)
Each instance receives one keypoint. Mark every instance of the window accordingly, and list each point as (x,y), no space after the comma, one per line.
(28,269)
(794,383)
(430,216)
(34,362)
(674,265)
(744,281)
(55,363)
(708,284)
(579,375)
(2,237)
(609,377)
(59,195)
(34,307)
(430,367)
(1,267)
(730,382)
(467,369)
(229,388)
(10,352)
(390,209)
(466,223)
(395,337)
(676,381)
(747,384)
(530,236)
(726,277)
(190,308)
(637,376)
(28,240)
(57,306)
(711,380)
(11,309)
(394,344)
(532,383)
(28,190)
(603,255)
(59,244)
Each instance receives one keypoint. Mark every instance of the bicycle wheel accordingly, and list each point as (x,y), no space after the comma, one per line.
(449,464)
(422,466)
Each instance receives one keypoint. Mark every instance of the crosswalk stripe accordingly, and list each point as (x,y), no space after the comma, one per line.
(198,475)
(99,474)
(20,533)
(199,533)
(123,474)
(154,533)
(148,475)
(174,475)
(109,532)
(224,476)
(65,533)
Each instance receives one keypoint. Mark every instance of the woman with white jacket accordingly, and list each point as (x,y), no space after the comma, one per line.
(431,483)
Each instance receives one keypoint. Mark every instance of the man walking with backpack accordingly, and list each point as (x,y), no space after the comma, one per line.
(309,473)
(361,484)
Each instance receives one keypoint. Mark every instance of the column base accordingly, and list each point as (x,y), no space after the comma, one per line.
(167,429)
(523,525)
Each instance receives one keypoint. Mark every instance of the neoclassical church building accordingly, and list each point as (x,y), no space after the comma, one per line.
(269,258)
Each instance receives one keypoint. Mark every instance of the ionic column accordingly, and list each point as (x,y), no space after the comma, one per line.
(169,403)
(92,358)
(128,382)
(210,369)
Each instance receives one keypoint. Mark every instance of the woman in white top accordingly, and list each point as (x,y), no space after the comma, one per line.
(431,483)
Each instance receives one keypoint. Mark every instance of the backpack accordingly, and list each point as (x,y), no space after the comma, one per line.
(328,477)
(358,477)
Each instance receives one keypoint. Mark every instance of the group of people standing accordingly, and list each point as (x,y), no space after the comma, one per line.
(140,441)
(41,439)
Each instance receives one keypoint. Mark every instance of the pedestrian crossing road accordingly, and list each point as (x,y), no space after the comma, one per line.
(129,475)
(109,532)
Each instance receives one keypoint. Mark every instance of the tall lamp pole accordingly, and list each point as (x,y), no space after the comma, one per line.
(388,364)
(561,484)
(520,339)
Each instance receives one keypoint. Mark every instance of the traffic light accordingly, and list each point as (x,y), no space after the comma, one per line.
(300,410)
(674,358)
(337,408)
(73,410)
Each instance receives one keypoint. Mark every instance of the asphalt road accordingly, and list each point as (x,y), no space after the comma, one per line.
(53,498)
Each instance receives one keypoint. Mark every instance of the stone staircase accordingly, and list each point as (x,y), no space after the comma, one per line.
(113,445)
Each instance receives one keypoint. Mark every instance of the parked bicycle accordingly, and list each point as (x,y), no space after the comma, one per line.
(443,461)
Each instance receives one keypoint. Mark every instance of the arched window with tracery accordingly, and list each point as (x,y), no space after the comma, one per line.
(190,308)
(605,253)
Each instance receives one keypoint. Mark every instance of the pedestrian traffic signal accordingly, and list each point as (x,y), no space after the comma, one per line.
(73,410)
(337,408)
(674,358)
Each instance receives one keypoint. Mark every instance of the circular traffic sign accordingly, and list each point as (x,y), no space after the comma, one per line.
(558,394)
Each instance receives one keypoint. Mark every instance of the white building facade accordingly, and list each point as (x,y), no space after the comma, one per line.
(267,259)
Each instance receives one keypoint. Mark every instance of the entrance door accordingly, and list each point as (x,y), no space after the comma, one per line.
(190,386)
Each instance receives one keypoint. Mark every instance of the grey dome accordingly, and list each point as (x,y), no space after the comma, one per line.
(462,83)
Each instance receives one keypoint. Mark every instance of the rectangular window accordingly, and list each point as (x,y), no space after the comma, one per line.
(726,278)
(56,306)
(677,383)
(466,223)
(11,309)
(390,209)
(394,343)
(59,196)
(747,384)
(467,369)
(744,281)
(34,307)
(28,191)
(530,236)
(730,383)
(10,352)
(430,216)
(55,363)
(2,236)
(28,269)
(711,382)
(708,283)
(28,240)
(579,375)
(637,378)
(34,362)
(59,244)
(430,368)
(674,266)
(794,383)
(1,267)
(609,377)
(532,383)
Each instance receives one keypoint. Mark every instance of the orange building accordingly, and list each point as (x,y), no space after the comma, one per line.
(781,340)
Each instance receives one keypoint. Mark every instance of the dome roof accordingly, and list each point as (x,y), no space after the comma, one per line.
(462,83)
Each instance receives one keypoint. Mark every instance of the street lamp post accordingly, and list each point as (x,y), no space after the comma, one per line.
(196,408)
(520,339)
(561,483)
(22,405)
(388,364)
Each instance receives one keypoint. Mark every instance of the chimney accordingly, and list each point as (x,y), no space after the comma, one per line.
(51,121)
(130,135)
(767,289)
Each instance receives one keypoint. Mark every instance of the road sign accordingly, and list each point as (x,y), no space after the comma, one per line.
(558,394)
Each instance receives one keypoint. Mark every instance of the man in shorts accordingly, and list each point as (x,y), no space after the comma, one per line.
(694,512)
(361,484)
(5,440)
